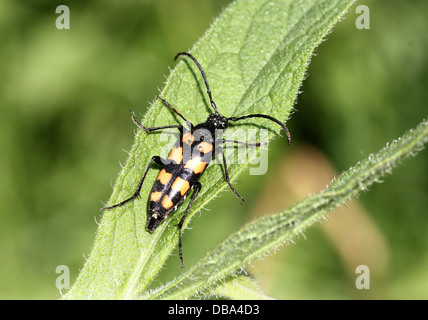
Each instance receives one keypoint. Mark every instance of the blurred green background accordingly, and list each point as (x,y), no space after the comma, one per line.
(65,97)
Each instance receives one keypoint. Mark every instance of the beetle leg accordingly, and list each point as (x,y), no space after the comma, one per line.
(149,130)
(197,187)
(226,175)
(251,144)
(156,159)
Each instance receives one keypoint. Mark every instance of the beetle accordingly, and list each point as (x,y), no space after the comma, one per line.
(187,161)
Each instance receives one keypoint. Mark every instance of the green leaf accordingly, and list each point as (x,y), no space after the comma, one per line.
(255,56)
(240,287)
(265,234)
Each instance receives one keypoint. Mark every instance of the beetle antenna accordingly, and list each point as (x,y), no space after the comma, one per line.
(266,117)
(203,75)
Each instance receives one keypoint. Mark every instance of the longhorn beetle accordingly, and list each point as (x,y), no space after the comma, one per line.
(187,161)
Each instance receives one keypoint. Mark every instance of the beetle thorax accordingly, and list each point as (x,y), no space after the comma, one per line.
(217,121)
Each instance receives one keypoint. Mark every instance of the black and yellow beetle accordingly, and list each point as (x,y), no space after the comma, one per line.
(187,161)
